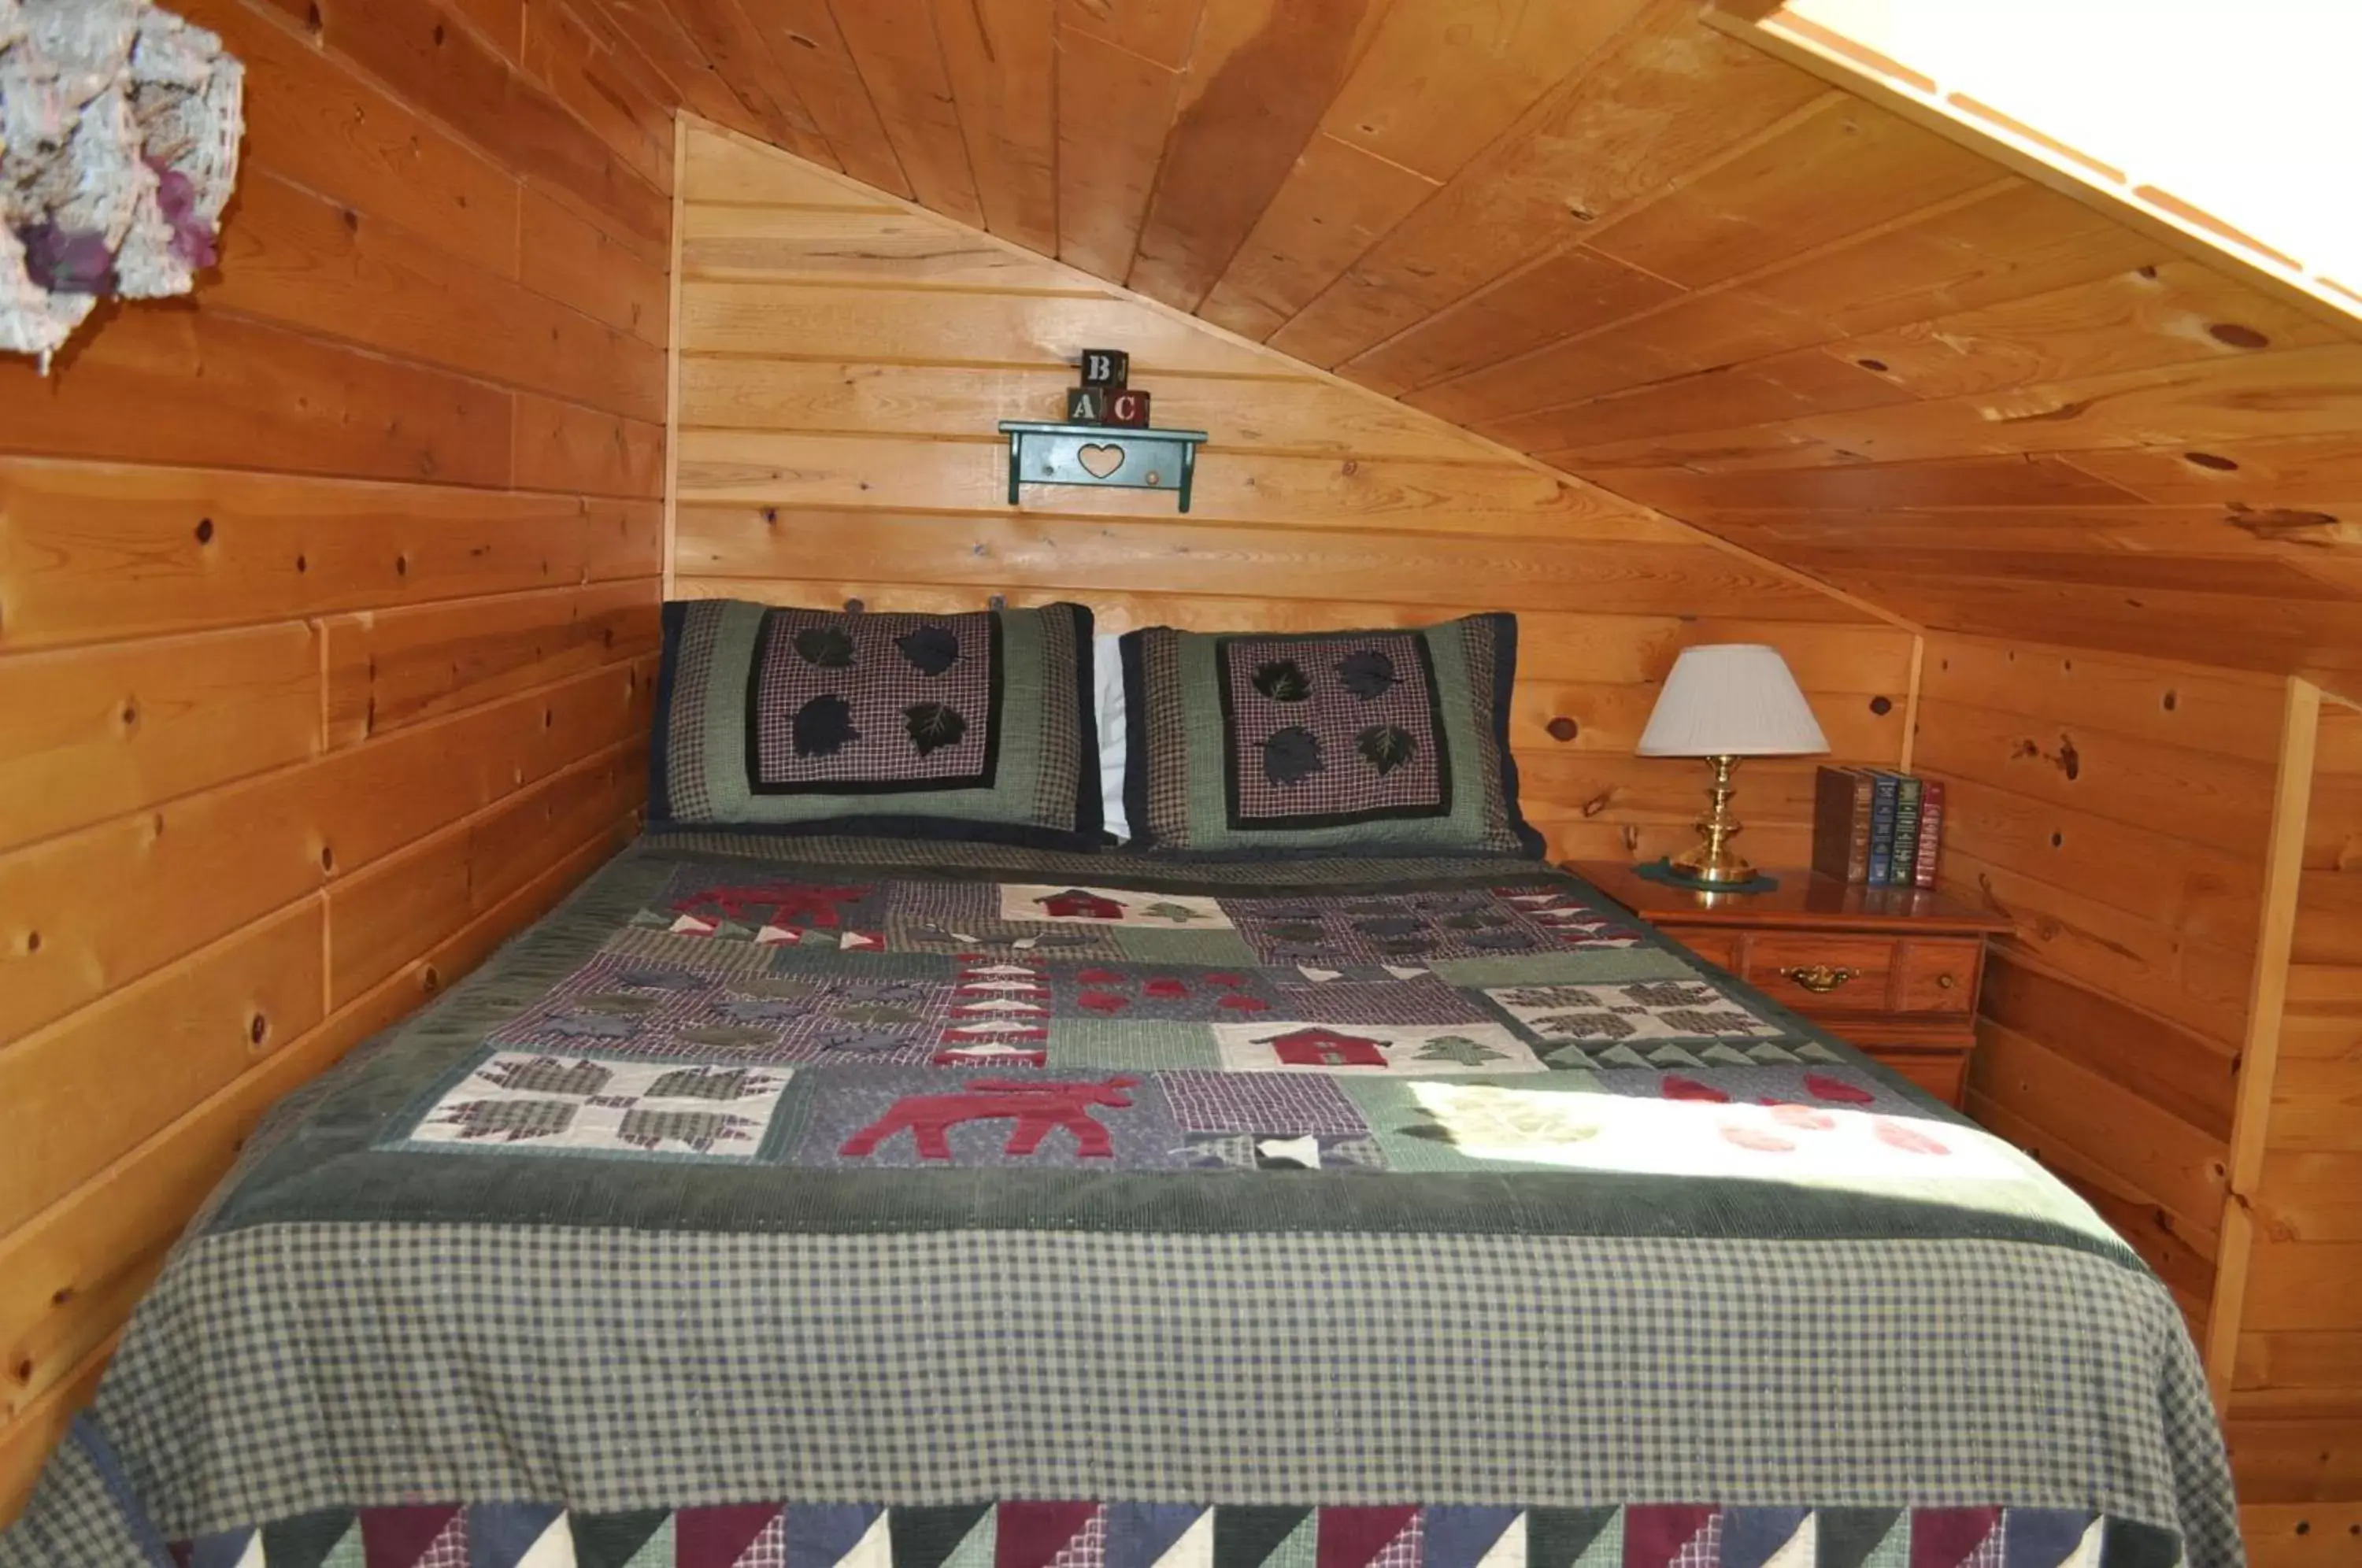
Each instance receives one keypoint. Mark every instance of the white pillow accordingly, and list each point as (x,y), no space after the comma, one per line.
(1107,674)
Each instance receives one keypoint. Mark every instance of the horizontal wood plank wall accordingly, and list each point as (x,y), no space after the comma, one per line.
(1781,303)
(327,619)
(2296,1400)
(845,358)
(2119,809)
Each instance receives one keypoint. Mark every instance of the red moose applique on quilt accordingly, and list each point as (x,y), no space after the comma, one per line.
(1037,1107)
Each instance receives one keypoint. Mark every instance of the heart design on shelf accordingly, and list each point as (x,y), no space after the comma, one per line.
(1099,461)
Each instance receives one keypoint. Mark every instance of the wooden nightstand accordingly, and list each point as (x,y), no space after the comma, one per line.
(1893,971)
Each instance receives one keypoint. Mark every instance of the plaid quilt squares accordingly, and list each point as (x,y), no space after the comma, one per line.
(605,1106)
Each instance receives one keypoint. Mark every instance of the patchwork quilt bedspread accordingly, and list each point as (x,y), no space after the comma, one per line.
(903,1205)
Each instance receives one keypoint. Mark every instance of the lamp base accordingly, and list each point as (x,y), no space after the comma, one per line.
(1712,894)
(1714,861)
(1729,868)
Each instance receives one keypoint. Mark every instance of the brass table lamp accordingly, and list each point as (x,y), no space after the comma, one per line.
(1723,701)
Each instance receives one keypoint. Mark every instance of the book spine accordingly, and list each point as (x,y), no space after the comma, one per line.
(1857,840)
(1906,830)
(1832,798)
(1931,833)
(1881,828)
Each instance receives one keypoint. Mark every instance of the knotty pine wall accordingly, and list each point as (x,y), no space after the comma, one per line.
(845,358)
(326,616)
(2175,1029)
(2119,809)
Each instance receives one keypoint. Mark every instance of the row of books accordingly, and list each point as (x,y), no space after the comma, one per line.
(1876,826)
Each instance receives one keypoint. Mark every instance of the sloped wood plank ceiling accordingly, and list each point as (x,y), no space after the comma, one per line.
(1614,238)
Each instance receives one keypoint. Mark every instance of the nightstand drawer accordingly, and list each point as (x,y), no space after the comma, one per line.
(1938,975)
(1941,1071)
(1817,974)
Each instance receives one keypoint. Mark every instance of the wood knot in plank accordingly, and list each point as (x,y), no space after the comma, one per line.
(2289,526)
(2066,760)
(2064,412)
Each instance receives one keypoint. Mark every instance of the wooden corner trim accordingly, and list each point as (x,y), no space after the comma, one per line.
(680,128)
(2259,1049)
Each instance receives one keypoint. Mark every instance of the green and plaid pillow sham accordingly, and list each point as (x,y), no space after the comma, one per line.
(976,726)
(1249,744)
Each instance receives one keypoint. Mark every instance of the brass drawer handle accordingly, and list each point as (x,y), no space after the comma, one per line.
(1820,978)
(1945,982)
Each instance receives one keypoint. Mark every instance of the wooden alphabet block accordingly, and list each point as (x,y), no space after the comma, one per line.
(1087,406)
(1128,408)
(1106,367)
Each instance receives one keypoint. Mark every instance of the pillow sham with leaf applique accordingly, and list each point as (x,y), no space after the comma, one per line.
(973,725)
(1245,745)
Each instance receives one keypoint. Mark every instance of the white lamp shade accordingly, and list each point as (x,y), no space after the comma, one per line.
(1731,699)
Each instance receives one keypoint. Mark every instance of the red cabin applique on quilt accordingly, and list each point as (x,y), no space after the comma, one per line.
(1326,1048)
(1076,903)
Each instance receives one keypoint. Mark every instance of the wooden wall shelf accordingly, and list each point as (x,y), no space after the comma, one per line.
(1118,455)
